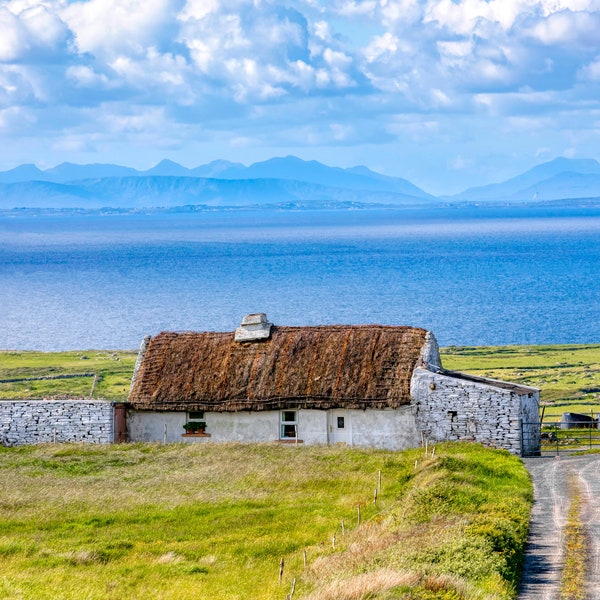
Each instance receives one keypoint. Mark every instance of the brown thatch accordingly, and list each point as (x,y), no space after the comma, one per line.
(367,366)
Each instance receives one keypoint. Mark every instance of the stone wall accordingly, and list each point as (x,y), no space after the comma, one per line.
(44,421)
(453,406)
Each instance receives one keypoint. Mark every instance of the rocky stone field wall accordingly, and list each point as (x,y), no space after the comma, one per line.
(454,407)
(47,421)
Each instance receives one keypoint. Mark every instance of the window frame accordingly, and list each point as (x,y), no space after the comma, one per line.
(285,423)
(196,416)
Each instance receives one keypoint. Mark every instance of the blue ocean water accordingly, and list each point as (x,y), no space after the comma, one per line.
(473,276)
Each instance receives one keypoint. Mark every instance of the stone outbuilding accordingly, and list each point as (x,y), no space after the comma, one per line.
(362,385)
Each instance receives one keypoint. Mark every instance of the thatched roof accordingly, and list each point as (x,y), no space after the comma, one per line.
(366,366)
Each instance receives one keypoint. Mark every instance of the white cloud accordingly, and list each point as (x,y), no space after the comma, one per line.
(14,119)
(113,27)
(198,9)
(136,119)
(381,45)
(357,7)
(33,34)
(305,72)
(591,71)
(322,31)
(77,143)
(45,27)
(566,27)
(395,12)
(455,53)
(13,38)
(84,76)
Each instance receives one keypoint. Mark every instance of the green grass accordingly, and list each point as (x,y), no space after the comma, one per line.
(113,369)
(568,375)
(213,521)
(575,546)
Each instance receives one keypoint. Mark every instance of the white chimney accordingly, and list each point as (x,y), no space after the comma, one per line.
(254,327)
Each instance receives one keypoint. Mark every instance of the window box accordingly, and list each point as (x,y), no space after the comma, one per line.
(195,425)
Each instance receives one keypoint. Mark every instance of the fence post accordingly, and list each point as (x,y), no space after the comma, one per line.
(522,437)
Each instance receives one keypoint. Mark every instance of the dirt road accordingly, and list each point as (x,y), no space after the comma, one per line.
(543,561)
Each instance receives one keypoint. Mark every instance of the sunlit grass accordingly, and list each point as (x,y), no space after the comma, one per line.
(573,583)
(214,521)
(113,369)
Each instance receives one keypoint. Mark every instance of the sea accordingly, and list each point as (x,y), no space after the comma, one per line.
(474,276)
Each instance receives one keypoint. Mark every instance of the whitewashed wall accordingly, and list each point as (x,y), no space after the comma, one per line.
(240,426)
(44,421)
(451,407)
(390,429)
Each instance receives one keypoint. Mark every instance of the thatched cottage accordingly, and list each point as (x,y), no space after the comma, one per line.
(367,385)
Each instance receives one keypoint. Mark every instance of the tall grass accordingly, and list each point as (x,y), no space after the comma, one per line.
(214,521)
(573,583)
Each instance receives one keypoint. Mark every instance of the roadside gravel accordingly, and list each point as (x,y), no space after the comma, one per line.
(544,553)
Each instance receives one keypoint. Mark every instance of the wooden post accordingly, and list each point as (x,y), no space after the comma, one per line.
(359,514)
(375,497)
(433,452)
(54,436)
(281,569)
(304,558)
(333,543)
(426,444)
(293,589)
(120,423)
(165,434)
(343,528)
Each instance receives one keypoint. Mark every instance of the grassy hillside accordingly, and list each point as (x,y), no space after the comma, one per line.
(214,521)
(113,370)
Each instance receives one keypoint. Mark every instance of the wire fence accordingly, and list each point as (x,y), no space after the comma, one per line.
(566,436)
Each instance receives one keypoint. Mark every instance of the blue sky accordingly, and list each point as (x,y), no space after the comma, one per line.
(446,93)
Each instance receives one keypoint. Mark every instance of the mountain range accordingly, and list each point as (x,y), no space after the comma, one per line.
(278,181)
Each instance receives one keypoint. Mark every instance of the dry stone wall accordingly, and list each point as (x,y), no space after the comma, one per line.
(452,407)
(44,421)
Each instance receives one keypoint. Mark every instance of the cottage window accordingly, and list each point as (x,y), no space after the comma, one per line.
(289,424)
(195,422)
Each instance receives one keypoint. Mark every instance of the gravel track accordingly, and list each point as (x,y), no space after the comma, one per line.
(544,553)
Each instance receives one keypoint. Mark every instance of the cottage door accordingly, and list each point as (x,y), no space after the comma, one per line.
(339,427)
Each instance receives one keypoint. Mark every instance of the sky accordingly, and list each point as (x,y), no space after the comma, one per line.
(446,93)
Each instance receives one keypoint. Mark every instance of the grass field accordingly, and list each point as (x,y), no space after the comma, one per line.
(214,521)
(112,368)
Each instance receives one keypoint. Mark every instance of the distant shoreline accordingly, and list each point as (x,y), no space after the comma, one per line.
(566,204)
